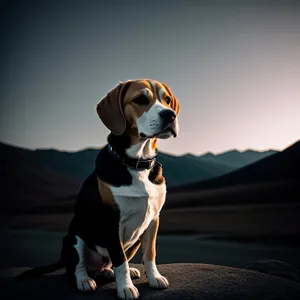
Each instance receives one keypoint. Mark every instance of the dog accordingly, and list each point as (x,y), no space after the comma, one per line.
(118,206)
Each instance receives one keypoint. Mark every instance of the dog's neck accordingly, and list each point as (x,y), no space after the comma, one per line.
(142,149)
(127,151)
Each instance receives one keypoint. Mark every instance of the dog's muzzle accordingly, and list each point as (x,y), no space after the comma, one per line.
(169,126)
(169,117)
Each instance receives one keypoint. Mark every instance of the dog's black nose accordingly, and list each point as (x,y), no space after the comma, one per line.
(168,115)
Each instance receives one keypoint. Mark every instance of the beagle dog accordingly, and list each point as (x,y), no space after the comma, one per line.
(118,206)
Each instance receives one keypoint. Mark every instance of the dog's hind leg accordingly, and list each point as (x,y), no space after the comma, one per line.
(108,273)
(84,282)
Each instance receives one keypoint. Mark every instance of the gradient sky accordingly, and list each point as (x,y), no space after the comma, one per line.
(233,65)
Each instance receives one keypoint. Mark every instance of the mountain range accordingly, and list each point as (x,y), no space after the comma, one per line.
(280,165)
(235,158)
(274,179)
(178,170)
(30,178)
(38,190)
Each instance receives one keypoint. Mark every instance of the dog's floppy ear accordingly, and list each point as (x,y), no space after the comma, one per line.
(110,109)
(175,104)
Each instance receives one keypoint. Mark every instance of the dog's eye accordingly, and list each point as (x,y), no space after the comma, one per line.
(168,100)
(141,100)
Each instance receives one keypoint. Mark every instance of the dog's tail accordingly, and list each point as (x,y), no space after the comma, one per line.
(35,272)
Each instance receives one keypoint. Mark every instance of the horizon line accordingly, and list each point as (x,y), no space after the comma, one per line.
(165,152)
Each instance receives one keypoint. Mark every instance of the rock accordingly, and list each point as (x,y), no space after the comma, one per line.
(187,281)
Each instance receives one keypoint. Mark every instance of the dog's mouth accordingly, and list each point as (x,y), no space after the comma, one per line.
(165,133)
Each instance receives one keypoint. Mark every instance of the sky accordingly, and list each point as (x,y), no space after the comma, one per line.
(234,66)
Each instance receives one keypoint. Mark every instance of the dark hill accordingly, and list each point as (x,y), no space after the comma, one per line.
(77,164)
(26,184)
(188,168)
(279,166)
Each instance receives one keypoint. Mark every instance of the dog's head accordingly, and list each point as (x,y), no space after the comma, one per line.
(146,108)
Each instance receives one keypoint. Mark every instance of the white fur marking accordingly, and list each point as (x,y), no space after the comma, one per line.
(142,149)
(153,85)
(161,93)
(138,150)
(125,287)
(150,122)
(155,280)
(139,204)
(144,91)
(84,282)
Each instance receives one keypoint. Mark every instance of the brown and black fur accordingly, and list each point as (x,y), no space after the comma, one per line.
(96,221)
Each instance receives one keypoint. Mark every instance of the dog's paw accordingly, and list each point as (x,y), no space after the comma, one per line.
(128,292)
(110,274)
(106,274)
(134,273)
(86,284)
(158,282)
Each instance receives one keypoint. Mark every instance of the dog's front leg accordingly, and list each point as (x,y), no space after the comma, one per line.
(125,287)
(148,240)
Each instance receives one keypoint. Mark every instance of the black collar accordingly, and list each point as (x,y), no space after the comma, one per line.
(133,163)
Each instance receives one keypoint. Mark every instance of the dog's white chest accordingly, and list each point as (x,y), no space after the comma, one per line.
(139,204)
